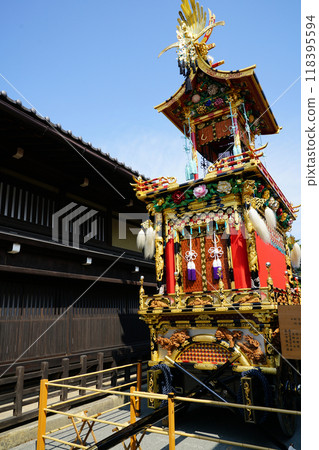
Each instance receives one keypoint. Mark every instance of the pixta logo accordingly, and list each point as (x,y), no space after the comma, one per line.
(69,220)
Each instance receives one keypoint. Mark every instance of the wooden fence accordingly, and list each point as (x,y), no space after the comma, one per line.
(19,393)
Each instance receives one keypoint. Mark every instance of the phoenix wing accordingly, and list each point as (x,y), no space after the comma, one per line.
(192,17)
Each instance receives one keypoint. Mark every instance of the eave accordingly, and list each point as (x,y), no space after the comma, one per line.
(231,77)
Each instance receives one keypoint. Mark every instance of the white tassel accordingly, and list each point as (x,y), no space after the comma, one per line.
(140,240)
(149,243)
(270,218)
(259,225)
(295,256)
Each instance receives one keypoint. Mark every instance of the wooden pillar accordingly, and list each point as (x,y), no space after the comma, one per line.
(100,359)
(45,370)
(65,374)
(17,411)
(43,401)
(83,361)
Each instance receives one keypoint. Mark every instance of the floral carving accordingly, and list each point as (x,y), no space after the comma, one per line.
(200,191)
(224,187)
(212,89)
(196,98)
(218,102)
(178,197)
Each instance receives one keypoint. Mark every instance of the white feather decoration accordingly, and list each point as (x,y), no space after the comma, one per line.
(140,240)
(259,225)
(295,256)
(263,231)
(270,218)
(149,243)
(254,217)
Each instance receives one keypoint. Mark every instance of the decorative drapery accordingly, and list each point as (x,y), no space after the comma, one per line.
(277,259)
(170,266)
(240,259)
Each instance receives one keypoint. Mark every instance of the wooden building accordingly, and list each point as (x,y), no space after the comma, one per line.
(68,279)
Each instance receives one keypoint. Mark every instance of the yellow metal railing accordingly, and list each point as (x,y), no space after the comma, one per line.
(44,409)
(135,395)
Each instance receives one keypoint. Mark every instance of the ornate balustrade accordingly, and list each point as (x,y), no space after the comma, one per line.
(146,187)
(287,296)
(230,163)
(230,298)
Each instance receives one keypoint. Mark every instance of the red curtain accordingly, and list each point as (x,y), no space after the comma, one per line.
(240,260)
(170,267)
(268,253)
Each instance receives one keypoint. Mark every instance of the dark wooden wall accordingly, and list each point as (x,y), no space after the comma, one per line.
(105,317)
(38,285)
(29,208)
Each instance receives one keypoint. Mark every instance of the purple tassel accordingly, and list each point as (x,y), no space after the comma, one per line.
(217,265)
(191,271)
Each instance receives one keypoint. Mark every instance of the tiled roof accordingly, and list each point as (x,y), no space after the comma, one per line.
(65,133)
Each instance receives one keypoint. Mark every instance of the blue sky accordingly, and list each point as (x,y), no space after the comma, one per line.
(92,66)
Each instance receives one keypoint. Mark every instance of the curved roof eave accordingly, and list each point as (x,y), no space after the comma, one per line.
(223,75)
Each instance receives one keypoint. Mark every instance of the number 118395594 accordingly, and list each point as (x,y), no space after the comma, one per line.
(310,48)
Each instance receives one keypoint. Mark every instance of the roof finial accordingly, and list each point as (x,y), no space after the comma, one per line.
(191,26)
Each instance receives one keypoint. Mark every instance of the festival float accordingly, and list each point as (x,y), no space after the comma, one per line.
(227,311)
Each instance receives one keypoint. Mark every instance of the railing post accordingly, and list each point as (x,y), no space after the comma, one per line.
(171,421)
(83,360)
(138,387)
(100,359)
(133,416)
(17,411)
(43,401)
(65,374)
(127,374)
(45,370)
(114,372)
